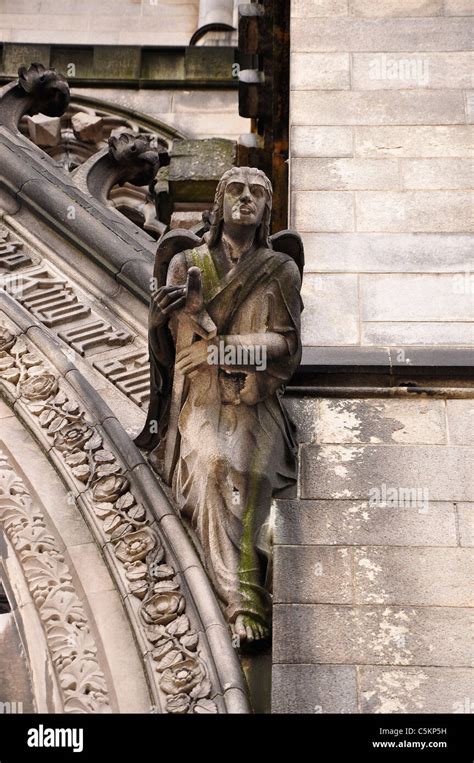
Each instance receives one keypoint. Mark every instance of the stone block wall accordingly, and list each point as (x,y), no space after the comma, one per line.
(381,106)
(109,22)
(374,560)
(197,114)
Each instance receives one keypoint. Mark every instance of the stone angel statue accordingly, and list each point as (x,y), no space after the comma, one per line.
(224,338)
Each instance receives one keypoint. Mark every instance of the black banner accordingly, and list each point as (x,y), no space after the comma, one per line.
(26,737)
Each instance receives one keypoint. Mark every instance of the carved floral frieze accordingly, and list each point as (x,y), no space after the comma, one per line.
(68,635)
(181,674)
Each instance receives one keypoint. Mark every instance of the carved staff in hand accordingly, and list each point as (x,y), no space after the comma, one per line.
(193,320)
(227,441)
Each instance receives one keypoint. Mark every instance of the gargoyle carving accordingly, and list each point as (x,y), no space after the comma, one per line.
(47,89)
(130,160)
(37,90)
(138,156)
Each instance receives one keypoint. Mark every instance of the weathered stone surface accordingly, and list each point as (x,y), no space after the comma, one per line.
(443,358)
(358,523)
(461,421)
(314,689)
(439,577)
(210,453)
(185,220)
(470,106)
(82,60)
(414,211)
(380,421)
(465,512)
(387,252)
(87,127)
(320,71)
(52,191)
(351,471)
(162,64)
(323,210)
(123,61)
(414,141)
(379,635)
(321,141)
(116,20)
(122,654)
(90,568)
(136,100)
(395,107)
(42,565)
(14,677)
(16,54)
(436,174)
(312,574)
(213,102)
(56,22)
(407,34)
(201,125)
(196,166)
(307,8)
(374,8)
(56,500)
(93,582)
(337,359)
(415,298)
(415,690)
(458,8)
(43,130)
(209,63)
(344,174)
(335,299)
(5,410)
(401,71)
(400,333)
(412,568)
(303,413)
(194,123)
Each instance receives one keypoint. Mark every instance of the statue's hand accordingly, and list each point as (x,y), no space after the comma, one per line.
(164,301)
(192,357)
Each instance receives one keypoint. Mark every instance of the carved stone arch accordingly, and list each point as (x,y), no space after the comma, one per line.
(45,545)
(182,646)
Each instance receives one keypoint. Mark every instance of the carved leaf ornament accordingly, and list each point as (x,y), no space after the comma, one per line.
(181,673)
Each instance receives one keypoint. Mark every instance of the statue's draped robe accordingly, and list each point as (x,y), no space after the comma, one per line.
(234,455)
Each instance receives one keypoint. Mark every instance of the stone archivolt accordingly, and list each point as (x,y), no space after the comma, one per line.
(56,302)
(68,634)
(11,254)
(186,672)
(181,675)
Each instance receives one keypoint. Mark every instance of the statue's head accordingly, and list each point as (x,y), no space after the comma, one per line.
(243,198)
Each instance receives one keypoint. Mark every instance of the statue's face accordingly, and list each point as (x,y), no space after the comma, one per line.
(244,199)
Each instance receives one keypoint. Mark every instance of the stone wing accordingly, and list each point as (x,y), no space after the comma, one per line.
(289,242)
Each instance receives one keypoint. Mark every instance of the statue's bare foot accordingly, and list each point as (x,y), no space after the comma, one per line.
(249,628)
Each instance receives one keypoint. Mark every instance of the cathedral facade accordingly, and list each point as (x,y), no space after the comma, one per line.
(116,125)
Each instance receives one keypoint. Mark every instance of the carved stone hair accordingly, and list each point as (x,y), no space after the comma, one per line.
(217,214)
